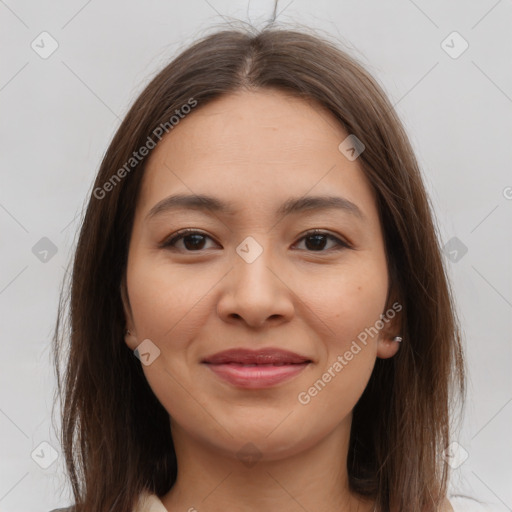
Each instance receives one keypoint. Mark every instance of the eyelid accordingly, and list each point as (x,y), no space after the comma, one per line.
(341,242)
(178,235)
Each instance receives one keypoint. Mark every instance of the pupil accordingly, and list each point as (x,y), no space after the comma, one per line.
(318,238)
(195,245)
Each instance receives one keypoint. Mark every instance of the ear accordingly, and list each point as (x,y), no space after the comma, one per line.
(129,337)
(387,348)
(392,319)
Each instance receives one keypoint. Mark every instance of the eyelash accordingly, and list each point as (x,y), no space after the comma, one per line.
(169,242)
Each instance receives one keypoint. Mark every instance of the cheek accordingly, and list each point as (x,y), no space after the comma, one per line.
(348,301)
(350,305)
(163,298)
(337,387)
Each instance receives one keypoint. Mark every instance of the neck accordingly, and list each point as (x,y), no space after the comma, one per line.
(314,478)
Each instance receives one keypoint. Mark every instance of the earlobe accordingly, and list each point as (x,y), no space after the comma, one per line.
(388,347)
(390,338)
(130,339)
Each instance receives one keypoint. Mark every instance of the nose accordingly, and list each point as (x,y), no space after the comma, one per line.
(256,293)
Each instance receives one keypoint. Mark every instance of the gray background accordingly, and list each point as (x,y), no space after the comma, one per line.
(60,112)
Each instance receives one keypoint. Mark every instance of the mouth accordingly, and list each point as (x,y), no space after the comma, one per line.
(256,369)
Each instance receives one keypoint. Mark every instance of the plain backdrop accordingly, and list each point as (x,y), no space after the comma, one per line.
(70,71)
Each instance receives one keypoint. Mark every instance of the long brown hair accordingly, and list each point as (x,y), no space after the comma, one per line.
(115,434)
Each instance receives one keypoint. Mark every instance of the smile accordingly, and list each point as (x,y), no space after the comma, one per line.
(256,376)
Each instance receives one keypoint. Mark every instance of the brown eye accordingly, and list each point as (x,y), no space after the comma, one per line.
(316,241)
(192,240)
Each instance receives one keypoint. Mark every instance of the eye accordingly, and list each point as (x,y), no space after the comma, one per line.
(191,238)
(194,241)
(318,241)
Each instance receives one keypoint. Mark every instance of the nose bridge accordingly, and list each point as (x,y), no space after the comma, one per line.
(252,262)
(254,292)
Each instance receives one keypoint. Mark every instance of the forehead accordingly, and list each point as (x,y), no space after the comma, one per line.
(255,149)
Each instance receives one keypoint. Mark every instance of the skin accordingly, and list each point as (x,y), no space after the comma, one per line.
(257,149)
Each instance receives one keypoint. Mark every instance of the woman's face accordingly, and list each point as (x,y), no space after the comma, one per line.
(254,277)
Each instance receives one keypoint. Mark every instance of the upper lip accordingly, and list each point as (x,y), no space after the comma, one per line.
(262,356)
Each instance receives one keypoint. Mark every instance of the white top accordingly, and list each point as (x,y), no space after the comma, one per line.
(461,504)
(151,503)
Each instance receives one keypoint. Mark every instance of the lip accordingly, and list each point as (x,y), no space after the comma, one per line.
(256,369)
(262,356)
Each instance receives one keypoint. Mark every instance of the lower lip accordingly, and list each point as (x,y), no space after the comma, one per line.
(258,376)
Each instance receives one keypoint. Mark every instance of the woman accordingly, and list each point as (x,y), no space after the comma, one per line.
(259,315)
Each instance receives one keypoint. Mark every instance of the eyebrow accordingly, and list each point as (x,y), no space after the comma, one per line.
(292,205)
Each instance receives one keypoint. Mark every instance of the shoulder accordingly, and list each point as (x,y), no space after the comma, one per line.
(146,502)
